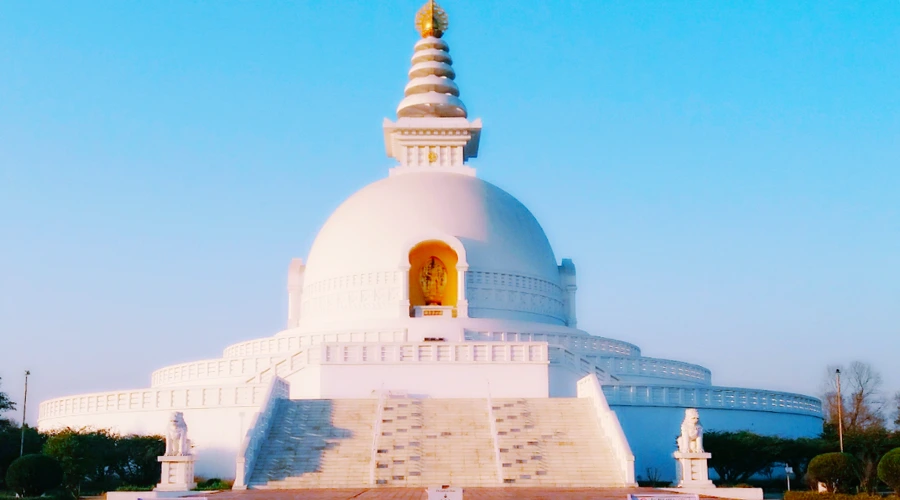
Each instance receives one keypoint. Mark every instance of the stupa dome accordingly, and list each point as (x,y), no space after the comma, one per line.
(372,233)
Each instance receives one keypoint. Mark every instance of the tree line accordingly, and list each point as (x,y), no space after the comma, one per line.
(867,420)
(90,459)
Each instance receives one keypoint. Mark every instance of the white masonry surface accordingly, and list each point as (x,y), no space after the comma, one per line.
(488,385)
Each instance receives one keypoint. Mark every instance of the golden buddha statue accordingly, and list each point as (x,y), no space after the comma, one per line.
(433,281)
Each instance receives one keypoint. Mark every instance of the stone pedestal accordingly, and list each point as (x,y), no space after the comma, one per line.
(692,470)
(177,474)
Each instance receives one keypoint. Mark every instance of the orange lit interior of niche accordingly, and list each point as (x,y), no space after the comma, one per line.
(418,257)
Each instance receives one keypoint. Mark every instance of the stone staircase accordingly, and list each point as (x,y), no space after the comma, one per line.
(317,443)
(428,442)
(553,442)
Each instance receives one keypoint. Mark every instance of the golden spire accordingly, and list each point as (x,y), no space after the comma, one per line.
(431,20)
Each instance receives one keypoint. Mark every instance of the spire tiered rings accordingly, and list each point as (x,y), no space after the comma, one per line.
(432,132)
(431,90)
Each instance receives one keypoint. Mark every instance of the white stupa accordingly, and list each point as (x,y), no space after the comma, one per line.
(426,294)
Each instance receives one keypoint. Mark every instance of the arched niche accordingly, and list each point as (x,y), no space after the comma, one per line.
(419,256)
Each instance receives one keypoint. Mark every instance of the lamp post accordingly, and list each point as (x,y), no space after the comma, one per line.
(840,403)
(24,406)
(788,470)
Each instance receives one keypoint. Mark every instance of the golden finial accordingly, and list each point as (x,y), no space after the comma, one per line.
(431,20)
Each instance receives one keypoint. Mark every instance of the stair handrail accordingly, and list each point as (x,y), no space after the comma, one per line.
(257,432)
(494,436)
(376,430)
(589,388)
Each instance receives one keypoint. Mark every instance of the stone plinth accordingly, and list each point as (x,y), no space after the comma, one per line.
(692,470)
(177,474)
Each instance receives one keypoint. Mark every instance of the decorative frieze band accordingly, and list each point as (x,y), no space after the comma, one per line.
(354,292)
(512,292)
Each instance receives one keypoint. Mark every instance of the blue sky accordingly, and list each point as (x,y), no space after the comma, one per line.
(725,175)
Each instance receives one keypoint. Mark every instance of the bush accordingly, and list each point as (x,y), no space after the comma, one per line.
(32,475)
(840,472)
(214,484)
(889,469)
(813,495)
(133,487)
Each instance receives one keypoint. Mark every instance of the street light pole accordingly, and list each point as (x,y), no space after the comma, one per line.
(840,403)
(24,406)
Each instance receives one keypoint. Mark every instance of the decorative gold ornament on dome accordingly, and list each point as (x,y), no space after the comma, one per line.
(433,281)
(432,20)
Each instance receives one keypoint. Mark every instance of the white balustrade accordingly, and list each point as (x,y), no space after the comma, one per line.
(433,352)
(584,366)
(259,428)
(589,387)
(653,367)
(281,344)
(153,399)
(576,342)
(492,418)
(711,397)
(376,434)
(211,369)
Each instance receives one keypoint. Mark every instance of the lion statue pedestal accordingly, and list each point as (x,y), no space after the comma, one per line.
(177,463)
(692,469)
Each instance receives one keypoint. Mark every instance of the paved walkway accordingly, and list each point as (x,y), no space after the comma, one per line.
(419,494)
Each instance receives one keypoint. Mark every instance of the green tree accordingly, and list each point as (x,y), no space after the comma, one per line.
(868,446)
(87,457)
(136,459)
(737,456)
(11,440)
(889,469)
(5,405)
(838,471)
(33,475)
(797,453)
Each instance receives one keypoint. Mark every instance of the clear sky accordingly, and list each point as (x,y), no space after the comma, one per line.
(725,175)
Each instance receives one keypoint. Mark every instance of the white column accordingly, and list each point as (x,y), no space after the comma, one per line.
(462,304)
(404,292)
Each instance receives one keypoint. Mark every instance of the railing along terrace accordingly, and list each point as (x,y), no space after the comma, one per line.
(653,367)
(581,365)
(712,397)
(281,344)
(260,426)
(211,368)
(589,388)
(153,399)
(431,352)
(575,342)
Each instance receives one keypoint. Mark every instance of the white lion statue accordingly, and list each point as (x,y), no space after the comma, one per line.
(177,443)
(691,439)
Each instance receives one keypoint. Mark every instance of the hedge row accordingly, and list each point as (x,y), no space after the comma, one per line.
(812,495)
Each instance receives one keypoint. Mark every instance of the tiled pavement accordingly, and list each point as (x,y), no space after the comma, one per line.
(518,493)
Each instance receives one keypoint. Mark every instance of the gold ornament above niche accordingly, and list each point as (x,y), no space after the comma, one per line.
(431,20)
(433,281)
